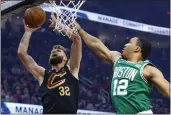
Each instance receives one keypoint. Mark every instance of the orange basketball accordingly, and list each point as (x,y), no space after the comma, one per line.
(35,16)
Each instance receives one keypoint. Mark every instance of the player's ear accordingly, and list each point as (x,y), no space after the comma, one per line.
(65,58)
(137,49)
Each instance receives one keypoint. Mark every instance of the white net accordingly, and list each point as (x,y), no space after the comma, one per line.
(66,13)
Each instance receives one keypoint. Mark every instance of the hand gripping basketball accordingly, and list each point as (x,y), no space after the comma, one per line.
(28,29)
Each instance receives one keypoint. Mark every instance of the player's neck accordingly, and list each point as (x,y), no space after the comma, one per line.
(135,59)
(57,67)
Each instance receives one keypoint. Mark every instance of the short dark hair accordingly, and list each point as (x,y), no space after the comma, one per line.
(60,47)
(145,47)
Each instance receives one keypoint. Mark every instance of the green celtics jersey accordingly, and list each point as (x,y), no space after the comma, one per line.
(130,91)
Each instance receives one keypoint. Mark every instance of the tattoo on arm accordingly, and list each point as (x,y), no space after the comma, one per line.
(24,40)
(24,43)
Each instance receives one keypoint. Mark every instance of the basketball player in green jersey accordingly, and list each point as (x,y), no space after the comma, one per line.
(133,77)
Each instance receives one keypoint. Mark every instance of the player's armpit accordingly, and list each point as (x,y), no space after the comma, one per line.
(36,70)
(156,77)
(75,56)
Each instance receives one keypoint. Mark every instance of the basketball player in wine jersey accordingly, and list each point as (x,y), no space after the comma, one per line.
(59,86)
(133,76)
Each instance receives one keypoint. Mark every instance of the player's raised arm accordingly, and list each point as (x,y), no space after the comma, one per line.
(27,60)
(156,77)
(76,55)
(98,47)
(76,48)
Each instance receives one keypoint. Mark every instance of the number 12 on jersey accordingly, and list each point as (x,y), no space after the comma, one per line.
(120,87)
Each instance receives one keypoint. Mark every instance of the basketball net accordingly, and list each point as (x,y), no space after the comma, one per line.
(66,16)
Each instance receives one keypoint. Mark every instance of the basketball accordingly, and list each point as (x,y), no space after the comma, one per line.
(35,16)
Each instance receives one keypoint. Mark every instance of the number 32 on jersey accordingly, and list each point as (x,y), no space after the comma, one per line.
(64,91)
(120,87)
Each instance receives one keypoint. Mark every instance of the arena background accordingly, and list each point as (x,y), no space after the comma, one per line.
(20,91)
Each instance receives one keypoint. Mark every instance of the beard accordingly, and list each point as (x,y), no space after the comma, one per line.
(55,60)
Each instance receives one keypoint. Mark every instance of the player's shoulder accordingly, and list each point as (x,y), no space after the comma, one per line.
(115,55)
(149,70)
(74,74)
(115,52)
(47,71)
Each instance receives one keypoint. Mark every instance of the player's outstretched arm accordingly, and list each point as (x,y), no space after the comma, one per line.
(98,47)
(27,60)
(76,48)
(75,55)
(156,77)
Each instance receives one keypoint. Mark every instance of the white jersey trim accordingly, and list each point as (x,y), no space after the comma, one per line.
(141,72)
(116,61)
(146,112)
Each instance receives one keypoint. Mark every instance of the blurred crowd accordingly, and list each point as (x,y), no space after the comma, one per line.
(18,85)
